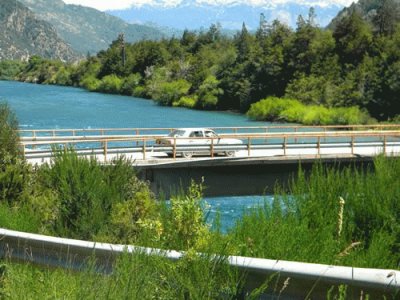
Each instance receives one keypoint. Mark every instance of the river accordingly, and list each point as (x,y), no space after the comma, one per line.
(55,107)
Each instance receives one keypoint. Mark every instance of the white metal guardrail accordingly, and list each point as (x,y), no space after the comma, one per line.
(304,277)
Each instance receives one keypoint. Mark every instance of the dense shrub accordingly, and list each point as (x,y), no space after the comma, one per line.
(14,174)
(289,110)
(184,222)
(90,83)
(130,83)
(88,194)
(110,84)
(166,93)
(186,101)
(9,147)
(9,69)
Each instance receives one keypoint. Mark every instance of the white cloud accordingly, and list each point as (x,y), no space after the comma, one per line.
(125,4)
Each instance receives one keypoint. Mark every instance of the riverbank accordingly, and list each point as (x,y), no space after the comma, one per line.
(208,71)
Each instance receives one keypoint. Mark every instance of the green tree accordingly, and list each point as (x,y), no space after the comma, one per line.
(208,93)
(353,38)
(387,16)
(312,90)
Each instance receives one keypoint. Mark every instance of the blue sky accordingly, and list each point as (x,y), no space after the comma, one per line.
(125,4)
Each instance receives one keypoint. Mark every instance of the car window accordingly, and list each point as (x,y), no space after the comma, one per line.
(176,133)
(196,134)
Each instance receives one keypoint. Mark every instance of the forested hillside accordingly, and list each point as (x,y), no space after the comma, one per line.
(352,66)
(383,15)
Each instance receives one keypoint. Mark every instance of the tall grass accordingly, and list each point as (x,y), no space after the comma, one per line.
(343,216)
(137,276)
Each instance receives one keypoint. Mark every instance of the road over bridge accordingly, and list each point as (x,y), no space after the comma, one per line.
(264,155)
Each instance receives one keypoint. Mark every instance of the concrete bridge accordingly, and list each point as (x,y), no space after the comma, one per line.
(267,155)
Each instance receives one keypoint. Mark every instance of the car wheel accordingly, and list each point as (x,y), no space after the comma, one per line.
(230,153)
(187,154)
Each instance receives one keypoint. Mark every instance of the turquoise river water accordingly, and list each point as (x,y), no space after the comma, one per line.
(55,107)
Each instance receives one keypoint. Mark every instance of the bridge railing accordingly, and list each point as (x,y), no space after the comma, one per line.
(250,144)
(245,129)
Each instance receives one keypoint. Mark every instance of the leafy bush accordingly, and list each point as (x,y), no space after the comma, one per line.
(168,92)
(90,83)
(184,222)
(110,84)
(87,193)
(130,83)
(135,218)
(9,147)
(9,69)
(14,174)
(186,101)
(289,110)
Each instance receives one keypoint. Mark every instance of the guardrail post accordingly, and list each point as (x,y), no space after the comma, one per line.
(23,150)
(144,149)
(295,130)
(174,149)
(284,145)
(248,146)
(212,148)
(105,145)
(54,133)
(319,146)
(266,131)
(352,145)
(384,145)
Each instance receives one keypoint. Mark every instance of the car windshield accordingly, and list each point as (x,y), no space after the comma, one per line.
(210,133)
(176,133)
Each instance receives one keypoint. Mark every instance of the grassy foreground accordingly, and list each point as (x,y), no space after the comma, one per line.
(343,216)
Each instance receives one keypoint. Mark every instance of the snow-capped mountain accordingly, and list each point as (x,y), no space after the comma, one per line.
(195,14)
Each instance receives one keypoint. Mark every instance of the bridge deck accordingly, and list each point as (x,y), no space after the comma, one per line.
(144,150)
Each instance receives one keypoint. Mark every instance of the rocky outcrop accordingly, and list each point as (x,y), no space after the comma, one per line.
(367,9)
(87,29)
(22,35)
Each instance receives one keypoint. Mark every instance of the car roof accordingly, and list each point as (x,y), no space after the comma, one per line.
(192,129)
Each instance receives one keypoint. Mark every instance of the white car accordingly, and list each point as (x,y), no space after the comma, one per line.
(202,137)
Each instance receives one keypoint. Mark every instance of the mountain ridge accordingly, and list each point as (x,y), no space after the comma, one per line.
(367,9)
(194,16)
(24,35)
(87,29)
